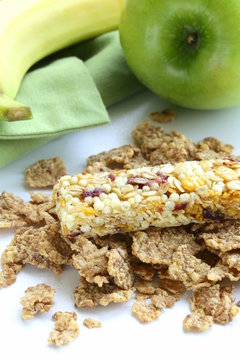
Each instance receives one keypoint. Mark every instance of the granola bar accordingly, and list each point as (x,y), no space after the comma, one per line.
(160,196)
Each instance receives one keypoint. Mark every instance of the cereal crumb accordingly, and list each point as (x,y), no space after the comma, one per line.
(145,312)
(37,299)
(165,116)
(92,323)
(66,328)
(45,173)
(215,301)
(197,321)
(7,276)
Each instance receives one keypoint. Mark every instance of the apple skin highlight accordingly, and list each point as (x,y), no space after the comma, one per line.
(186,52)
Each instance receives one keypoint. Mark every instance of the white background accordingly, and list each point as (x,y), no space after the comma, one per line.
(121,335)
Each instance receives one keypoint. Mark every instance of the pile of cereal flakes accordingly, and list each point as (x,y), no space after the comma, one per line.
(155,266)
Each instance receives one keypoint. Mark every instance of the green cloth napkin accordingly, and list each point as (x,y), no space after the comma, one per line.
(68,91)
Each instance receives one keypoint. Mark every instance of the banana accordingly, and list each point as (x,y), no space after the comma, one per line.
(33,29)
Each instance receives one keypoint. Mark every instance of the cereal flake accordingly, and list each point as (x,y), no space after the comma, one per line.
(163,117)
(119,268)
(66,328)
(197,322)
(45,173)
(124,157)
(159,147)
(42,247)
(145,312)
(92,323)
(226,237)
(90,295)
(188,269)
(162,299)
(215,301)
(157,246)
(37,299)
(91,262)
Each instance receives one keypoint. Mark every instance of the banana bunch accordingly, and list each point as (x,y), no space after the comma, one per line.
(33,29)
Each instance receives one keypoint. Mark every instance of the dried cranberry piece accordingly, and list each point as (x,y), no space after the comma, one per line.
(74,234)
(232,160)
(163,178)
(208,214)
(138,180)
(94,193)
(180,206)
(112,177)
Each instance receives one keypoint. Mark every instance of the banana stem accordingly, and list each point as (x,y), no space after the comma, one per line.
(10,110)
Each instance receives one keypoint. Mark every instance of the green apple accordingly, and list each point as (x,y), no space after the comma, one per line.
(187,51)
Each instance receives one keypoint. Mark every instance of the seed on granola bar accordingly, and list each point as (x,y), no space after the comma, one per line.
(36,299)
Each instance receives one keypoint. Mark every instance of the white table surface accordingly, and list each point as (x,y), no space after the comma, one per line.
(121,336)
